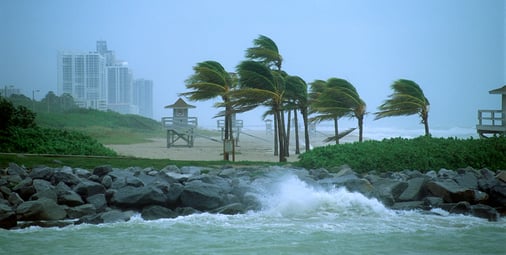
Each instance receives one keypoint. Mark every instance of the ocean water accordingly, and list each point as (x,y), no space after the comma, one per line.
(296,218)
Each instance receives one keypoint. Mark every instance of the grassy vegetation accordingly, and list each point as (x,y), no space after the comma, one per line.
(422,153)
(91,162)
(107,127)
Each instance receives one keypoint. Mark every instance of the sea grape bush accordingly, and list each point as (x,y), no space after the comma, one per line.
(422,153)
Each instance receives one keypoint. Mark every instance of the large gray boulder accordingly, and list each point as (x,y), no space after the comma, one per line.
(42,172)
(202,196)
(450,191)
(81,211)
(66,177)
(66,196)
(102,170)
(107,217)
(157,212)
(88,188)
(43,189)
(8,218)
(414,190)
(387,190)
(14,169)
(41,209)
(98,201)
(137,197)
(25,188)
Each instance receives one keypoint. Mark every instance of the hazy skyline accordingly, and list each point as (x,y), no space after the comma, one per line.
(454,49)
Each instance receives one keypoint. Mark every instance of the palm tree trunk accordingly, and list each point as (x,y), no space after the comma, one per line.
(288,129)
(281,141)
(226,131)
(360,128)
(336,130)
(306,128)
(276,135)
(425,120)
(296,124)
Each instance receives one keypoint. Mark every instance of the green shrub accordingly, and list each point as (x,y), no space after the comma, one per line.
(422,153)
(52,141)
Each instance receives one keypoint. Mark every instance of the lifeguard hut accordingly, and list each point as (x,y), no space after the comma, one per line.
(180,127)
(493,122)
(237,125)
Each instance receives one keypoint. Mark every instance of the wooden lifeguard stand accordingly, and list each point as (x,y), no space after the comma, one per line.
(493,122)
(180,126)
(237,125)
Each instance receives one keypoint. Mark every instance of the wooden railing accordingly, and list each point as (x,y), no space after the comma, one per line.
(178,122)
(490,118)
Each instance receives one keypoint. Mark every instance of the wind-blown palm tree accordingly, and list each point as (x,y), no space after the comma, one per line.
(260,85)
(345,93)
(296,92)
(407,99)
(209,81)
(327,106)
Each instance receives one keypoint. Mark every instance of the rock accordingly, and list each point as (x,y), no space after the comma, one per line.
(414,189)
(43,172)
(191,170)
(202,196)
(15,199)
(431,174)
(450,191)
(137,197)
(107,217)
(461,208)
(171,168)
(501,175)
(67,177)
(497,195)
(98,201)
(8,217)
(14,169)
(107,181)
(446,174)
(134,181)
(41,209)
(487,180)
(5,191)
(233,208)
(174,193)
(102,170)
(411,205)
(467,180)
(88,188)
(66,196)
(81,211)
(485,211)
(82,173)
(184,211)
(157,212)
(433,202)
(25,188)
(320,173)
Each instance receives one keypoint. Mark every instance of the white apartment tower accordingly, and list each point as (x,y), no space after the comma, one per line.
(143,97)
(119,89)
(82,75)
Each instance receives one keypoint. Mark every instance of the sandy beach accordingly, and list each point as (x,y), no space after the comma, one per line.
(254,145)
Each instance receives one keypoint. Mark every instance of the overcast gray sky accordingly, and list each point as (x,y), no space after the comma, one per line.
(454,49)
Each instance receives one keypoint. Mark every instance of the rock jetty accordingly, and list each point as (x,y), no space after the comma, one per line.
(46,196)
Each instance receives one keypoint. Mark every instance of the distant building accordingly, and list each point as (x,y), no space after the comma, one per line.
(8,91)
(143,97)
(82,75)
(119,89)
(97,80)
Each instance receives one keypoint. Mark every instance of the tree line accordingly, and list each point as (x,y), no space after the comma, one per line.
(260,80)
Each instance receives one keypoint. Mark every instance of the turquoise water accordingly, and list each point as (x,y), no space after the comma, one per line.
(296,219)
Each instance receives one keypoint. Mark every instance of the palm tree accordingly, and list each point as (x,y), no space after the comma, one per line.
(344,93)
(407,99)
(296,91)
(260,85)
(209,81)
(265,51)
(327,107)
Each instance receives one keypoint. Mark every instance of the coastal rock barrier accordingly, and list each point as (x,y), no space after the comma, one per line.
(46,196)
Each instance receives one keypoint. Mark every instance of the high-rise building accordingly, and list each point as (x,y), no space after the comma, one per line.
(82,75)
(143,97)
(97,80)
(119,89)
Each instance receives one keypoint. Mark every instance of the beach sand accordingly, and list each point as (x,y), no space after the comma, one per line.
(253,145)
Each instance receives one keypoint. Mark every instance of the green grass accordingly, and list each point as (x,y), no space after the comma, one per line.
(91,162)
(107,127)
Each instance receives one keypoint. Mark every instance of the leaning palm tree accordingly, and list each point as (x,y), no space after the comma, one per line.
(327,106)
(209,81)
(407,99)
(296,92)
(265,51)
(345,93)
(260,85)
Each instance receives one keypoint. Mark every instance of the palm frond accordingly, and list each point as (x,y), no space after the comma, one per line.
(339,135)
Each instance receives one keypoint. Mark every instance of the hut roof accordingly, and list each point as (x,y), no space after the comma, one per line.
(180,104)
(501,90)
